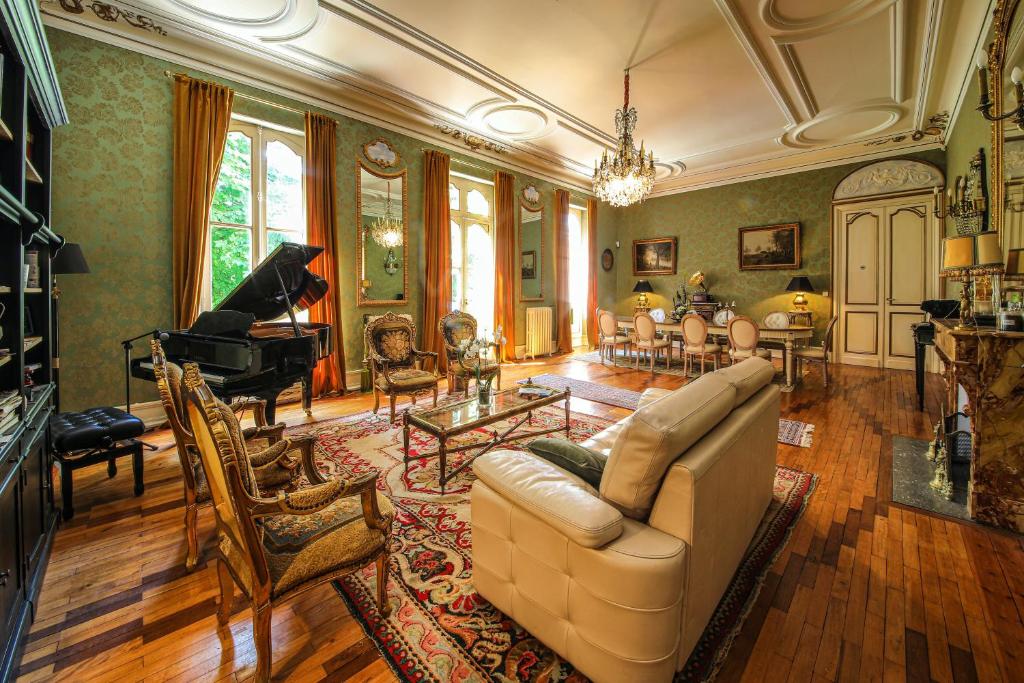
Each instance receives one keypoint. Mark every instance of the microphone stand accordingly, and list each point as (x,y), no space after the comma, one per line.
(127,345)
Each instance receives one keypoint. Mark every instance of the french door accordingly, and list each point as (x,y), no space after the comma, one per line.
(886,254)
(578,273)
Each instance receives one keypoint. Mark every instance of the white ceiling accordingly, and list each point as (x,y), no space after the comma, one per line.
(724,89)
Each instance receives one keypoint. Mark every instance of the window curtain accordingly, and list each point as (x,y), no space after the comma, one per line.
(505,261)
(202,114)
(562,305)
(437,286)
(592,276)
(322,230)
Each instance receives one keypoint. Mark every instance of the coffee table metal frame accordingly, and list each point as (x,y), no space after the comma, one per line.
(420,421)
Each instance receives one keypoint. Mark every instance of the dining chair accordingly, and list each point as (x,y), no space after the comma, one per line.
(608,336)
(695,343)
(744,335)
(275,547)
(814,354)
(647,339)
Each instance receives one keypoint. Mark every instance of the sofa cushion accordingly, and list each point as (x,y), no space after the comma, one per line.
(748,377)
(586,464)
(655,435)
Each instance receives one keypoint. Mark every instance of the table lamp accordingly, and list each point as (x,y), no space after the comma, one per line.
(69,260)
(643,288)
(801,285)
(964,256)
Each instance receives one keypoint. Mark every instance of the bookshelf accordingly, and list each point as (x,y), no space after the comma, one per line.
(30,107)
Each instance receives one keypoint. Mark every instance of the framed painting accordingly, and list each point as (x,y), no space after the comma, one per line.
(654,256)
(770,247)
(528,264)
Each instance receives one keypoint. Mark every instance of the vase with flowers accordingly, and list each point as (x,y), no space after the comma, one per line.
(473,355)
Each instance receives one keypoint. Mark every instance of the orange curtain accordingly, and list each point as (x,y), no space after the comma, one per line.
(437,285)
(202,113)
(322,226)
(505,258)
(592,275)
(562,305)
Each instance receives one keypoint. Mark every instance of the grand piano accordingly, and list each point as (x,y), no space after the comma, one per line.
(924,336)
(239,348)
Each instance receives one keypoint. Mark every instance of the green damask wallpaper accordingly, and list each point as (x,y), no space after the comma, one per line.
(706,223)
(112,164)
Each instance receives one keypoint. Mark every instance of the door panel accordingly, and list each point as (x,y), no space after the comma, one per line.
(861,332)
(862,258)
(907,257)
(901,337)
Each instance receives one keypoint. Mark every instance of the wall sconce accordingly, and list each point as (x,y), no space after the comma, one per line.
(965,202)
(985,105)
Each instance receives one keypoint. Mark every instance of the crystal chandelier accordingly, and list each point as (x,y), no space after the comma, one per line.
(386,230)
(628,176)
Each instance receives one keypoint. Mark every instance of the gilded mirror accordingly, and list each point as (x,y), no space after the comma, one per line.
(1006,55)
(382,236)
(531,252)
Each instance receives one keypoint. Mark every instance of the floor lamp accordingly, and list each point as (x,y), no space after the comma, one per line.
(69,260)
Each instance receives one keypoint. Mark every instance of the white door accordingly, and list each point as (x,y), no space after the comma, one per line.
(886,263)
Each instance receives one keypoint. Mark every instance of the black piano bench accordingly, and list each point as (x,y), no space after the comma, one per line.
(93,436)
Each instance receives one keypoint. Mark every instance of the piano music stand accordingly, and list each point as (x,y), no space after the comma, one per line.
(127,345)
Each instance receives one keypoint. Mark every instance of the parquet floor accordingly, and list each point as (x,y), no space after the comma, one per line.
(865,590)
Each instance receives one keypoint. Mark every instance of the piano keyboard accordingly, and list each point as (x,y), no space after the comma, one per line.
(214,380)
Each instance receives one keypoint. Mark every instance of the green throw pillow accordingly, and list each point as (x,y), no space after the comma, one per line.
(588,465)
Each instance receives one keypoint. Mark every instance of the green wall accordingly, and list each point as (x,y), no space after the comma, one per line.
(970,132)
(112,171)
(706,223)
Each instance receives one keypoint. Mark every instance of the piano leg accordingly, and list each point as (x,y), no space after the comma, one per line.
(919,351)
(271,409)
(307,394)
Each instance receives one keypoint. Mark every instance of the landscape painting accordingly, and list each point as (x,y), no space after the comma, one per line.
(770,247)
(655,256)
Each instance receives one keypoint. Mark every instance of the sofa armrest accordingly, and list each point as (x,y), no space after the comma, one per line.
(561,500)
(651,395)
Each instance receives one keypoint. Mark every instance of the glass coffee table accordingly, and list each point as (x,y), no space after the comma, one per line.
(450,421)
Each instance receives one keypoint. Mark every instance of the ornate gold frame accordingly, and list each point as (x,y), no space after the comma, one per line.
(1002,19)
(523,204)
(367,145)
(361,299)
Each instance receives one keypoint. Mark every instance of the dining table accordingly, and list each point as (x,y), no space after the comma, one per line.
(788,336)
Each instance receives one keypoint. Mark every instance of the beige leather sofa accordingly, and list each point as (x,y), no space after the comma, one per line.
(621,582)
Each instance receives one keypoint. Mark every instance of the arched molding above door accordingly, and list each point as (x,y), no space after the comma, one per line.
(888,177)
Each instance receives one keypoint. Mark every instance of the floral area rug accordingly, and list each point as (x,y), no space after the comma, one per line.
(440,629)
(591,391)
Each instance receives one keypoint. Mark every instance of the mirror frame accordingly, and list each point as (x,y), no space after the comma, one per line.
(1002,21)
(523,204)
(361,299)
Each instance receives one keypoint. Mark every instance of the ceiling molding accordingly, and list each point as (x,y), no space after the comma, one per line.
(929,48)
(798,30)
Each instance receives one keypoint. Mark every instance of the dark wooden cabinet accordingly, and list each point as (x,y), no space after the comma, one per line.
(30,107)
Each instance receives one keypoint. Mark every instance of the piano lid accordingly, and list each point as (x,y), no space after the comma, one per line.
(260,292)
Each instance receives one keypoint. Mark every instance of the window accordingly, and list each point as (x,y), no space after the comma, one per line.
(471,202)
(258,204)
(578,272)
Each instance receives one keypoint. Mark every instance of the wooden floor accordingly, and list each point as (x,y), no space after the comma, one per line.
(865,589)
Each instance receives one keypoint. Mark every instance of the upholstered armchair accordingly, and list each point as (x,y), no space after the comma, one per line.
(275,547)
(455,328)
(396,365)
(274,459)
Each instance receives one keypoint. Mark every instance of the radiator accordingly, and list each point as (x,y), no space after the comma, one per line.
(538,331)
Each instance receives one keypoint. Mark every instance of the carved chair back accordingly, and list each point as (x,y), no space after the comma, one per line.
(390,338)
(168,384)
(829,330)
(743,333)
(232,484)
(695,331)
(607,324)
(646,329)
(456,327)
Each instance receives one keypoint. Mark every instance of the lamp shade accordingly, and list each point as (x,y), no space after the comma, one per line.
(643,286)
(800,284)
(987,250)
(69,260)
(957,254)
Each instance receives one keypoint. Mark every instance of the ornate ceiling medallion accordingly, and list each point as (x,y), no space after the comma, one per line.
(531,194)
(381,152)
(628,176)
(474,142)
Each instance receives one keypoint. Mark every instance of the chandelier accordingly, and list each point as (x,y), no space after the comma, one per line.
(628,176)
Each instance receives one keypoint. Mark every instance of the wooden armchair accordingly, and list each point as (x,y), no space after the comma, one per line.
(276,547)
(271,455)
(455,328)
(396,365)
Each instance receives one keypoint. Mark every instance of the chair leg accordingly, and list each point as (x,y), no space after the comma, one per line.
(191,535)
(668,357)
(376,401)
(413,399)
(435,395)
(137,469)
(393,398)
(824,371)
(227,592)
(261,637)
(67,489)
(383,605)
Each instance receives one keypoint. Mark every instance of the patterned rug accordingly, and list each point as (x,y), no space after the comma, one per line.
(674,368)
(796,433)
(440,629)
(591,391)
